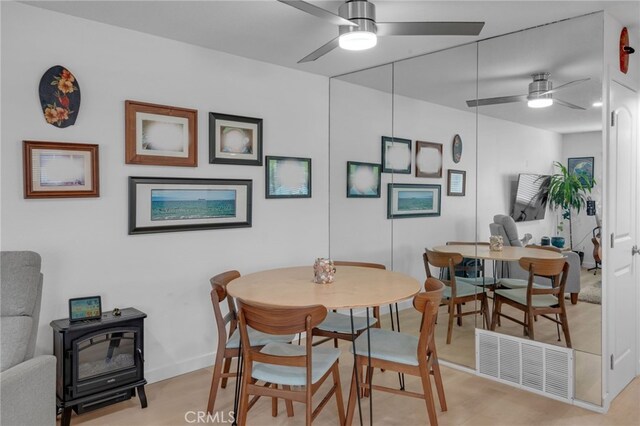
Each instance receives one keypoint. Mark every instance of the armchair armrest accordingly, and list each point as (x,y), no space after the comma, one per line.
(28,393)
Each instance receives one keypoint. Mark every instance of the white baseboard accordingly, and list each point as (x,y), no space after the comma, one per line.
(183,367)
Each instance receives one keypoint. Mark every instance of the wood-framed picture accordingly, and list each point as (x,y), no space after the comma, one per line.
(60,170)
(287,177)
(413,200)
(158,204)
(428,159)
(235,140)
(456,182)
(583,168)
(160,135)
(396,155)
(363,179)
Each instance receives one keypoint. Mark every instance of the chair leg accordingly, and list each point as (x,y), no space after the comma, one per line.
(459,314)
(437,377)
(450,327)
(227,367)
(428,396)
(496,312)
(529,323)
(243,404)
(565,328)
(215,380)
(485,310)
(274,403)
(351,404)
(338,393)
(287,402)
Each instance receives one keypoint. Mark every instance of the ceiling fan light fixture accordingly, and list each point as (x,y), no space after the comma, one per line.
(540,103)
(358,40)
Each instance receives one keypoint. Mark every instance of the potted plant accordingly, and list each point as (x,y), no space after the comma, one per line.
(565,191)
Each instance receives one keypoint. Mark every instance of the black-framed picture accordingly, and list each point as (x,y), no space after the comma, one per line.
(428,159)
(396,155)
(288,177)
(235,140)
(456,182)
(363,179)
(413,200)
(583,167)
(159,204)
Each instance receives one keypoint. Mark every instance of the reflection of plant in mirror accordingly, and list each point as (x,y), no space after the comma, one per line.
(566,191)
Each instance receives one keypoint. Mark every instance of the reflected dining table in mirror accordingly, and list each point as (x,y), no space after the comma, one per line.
(507,254)
(353,288)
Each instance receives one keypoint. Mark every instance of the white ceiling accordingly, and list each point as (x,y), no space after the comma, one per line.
(273,32)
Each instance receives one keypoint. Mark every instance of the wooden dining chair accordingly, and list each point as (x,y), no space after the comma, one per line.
(228,342)
(456,292)
(338,326)
(536,300)
(404,353)
(287,365)
(522,283)
(473,268)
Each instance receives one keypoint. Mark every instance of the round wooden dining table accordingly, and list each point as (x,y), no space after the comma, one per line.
(353,287)
(508,253)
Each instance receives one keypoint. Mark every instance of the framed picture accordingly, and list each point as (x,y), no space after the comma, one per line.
(235,140)
(60,170)
(413,200)
(185,204)
(583,167)
(288,177)
(160,135)
(456,182)
(396,155)
(363,180)
(428,159)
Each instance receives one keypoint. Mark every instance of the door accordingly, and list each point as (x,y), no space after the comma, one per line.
(622,297)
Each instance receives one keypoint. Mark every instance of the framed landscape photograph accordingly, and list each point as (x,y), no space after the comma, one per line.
(396,155)
(60,170)
(235,140)
(160,135)
(413,200)
(363,180)
(288,177)
(583,167)
(186,204)
(456,182)
(428,159)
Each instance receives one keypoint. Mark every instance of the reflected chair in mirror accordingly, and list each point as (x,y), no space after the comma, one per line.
(537,301)
(284,366)
(456,292)
(338,326)
(597,250)
(404,353)
(505,226)
(472,271)
(229,342)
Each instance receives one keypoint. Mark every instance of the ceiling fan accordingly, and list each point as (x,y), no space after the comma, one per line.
(358,29)
(540,94)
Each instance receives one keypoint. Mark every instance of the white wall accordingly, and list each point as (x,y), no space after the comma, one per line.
(84,242)
(588,144)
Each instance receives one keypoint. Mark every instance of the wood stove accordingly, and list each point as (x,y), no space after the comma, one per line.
(99,362)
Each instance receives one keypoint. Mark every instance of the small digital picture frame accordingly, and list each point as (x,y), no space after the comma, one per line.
(85,308)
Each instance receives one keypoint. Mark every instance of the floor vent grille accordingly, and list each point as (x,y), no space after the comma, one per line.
(527,364)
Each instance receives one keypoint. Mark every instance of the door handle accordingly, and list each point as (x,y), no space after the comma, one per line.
(635,250)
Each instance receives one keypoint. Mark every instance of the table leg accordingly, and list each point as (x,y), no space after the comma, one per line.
(369,371)
(355,367)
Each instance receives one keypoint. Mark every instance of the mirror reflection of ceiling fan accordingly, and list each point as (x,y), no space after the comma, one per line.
(540,94)
(358,29)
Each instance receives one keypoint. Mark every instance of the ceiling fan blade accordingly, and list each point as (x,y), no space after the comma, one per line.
(567,104)
(564,86)
(499,100)
(429,28)
(318,12)
(323,50)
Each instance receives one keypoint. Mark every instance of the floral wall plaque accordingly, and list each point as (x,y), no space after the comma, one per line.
(59,96)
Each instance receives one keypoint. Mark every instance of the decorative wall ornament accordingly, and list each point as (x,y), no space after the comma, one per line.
(456,149)
(59,92)
(625,50)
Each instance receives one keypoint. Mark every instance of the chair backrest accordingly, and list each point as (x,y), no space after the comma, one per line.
(218,295)
(427,303)
(505,226)
(554,269)
(278,320)
(361,264)
(442,260)
(21,289)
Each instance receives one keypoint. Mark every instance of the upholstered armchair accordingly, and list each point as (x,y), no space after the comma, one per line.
(505,227)
(27,383)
